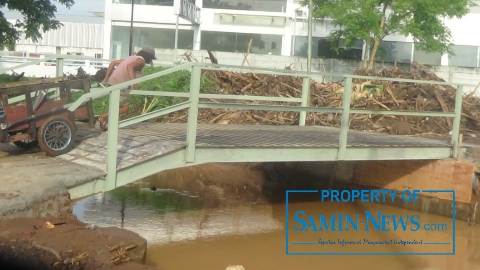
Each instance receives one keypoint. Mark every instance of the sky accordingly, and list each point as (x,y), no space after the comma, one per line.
(82,7)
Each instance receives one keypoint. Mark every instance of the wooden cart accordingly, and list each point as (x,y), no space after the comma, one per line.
(40,120)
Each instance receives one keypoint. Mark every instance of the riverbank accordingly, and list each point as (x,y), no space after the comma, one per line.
(66,243)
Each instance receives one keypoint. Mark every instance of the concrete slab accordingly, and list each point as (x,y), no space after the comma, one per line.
(34,185)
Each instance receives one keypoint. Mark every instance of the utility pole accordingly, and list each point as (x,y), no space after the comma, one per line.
(309,56)
(130,46)
(306,80)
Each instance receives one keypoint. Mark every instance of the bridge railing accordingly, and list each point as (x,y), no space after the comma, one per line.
(58,61)
(195,103)
(346,109)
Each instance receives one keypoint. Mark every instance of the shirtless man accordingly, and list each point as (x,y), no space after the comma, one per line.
(126,69)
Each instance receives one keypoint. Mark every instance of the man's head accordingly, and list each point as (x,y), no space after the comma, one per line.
(148,53)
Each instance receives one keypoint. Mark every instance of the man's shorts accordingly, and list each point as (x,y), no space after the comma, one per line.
(124,95)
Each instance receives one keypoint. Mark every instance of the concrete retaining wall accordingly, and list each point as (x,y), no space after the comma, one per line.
(400,175)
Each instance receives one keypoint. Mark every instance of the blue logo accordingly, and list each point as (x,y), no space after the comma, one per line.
(365,232)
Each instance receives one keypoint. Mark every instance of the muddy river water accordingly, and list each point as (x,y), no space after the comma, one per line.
(206,231)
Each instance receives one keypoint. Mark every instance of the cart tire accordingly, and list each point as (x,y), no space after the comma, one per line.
(26,144)
(56,136)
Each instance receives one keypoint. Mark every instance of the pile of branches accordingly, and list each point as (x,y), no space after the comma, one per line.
(407,96)
(367,94)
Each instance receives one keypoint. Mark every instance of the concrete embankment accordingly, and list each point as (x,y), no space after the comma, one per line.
(32,185)
(393,175)
(268,181)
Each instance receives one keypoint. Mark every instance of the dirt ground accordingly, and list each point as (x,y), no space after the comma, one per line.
(28,243)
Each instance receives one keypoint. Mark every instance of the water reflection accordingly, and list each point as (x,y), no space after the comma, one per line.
(187,231)
(164,216)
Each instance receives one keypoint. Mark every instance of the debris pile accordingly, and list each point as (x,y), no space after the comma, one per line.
(121,255)
(366,94)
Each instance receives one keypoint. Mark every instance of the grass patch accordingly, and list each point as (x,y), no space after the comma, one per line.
(176,82)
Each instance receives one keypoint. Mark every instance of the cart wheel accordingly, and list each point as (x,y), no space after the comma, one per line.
(26,144)
(56,136)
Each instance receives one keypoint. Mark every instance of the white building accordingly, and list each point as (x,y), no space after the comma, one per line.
(277,27)
(79,35)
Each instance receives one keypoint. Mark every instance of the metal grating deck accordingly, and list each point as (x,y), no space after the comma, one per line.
(146,141)
(274,136)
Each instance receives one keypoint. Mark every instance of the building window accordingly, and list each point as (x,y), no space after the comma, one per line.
(249,20)
(146,2)
(432,59)
(98,56)
(253,5)
(301,46)
(322,48)
(325,50)
(238,42)
(465,56)
(158,38)
(393,51)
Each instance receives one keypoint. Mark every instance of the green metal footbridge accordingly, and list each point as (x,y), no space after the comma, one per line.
(133,149)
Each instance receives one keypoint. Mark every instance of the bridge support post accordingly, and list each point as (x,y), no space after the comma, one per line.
(59,70)
(305,99)
(112,140)
(345,124)
(193,113)
(456,121)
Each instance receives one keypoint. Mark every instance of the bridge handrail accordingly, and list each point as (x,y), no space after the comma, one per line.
(240,106)
(58,57)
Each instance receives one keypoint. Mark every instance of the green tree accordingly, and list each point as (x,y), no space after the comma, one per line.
(38,15)
(372,20)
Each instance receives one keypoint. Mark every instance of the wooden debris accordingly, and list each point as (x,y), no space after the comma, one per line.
(245,55)
(113,248)
(76,258)
(212,57)
(33,82)
(130,247)
(374,95)
(59,223)
(444,108)
(121,256)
